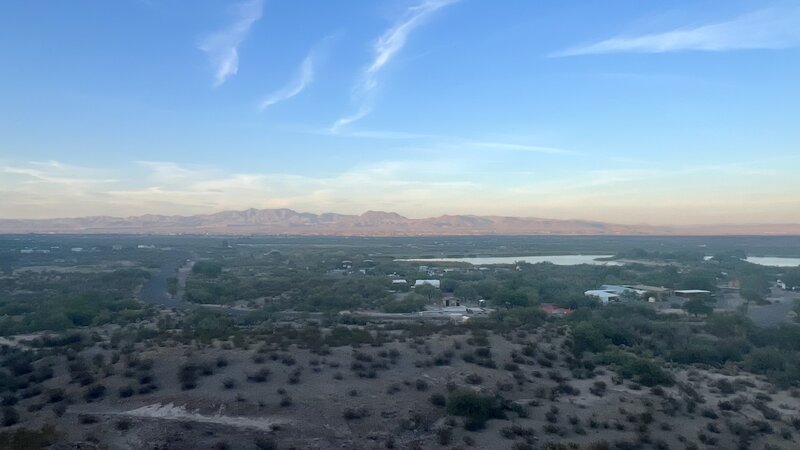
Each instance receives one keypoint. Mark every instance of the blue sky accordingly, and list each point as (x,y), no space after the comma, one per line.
(622,111)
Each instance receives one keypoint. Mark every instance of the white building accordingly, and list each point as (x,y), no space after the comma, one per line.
(602,295)
(434,283)
(619,290)
(613,288)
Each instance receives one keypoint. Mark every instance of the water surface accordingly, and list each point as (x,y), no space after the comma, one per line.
(776,261)
(561,260)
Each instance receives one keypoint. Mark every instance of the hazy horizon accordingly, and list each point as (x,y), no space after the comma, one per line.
(679,114)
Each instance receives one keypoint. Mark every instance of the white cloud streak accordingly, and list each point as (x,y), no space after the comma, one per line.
(764,29)
(521,147)
(303,78)
(222,47)
(342,122)
(385,49)
(55,173)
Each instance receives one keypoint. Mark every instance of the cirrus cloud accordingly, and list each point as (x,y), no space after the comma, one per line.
(764,29)
(222,47)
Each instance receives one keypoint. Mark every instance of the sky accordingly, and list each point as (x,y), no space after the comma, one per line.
(673,112)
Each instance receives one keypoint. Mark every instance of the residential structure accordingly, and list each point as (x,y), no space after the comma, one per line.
(554,310)
(434,283)
(602,295)
(691,293)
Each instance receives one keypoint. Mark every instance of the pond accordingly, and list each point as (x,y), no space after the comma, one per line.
(775,261)
(561,260)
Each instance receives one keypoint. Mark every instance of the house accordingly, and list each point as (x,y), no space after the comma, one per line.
(399,281)
(691,293)
(641,290)
(554,310)
(434,283)
(603,296)
(644,290)
(614,288)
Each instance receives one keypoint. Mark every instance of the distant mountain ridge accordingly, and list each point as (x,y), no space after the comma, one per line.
(285,221)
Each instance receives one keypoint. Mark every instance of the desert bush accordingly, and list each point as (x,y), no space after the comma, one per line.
(438,399)
(355,413)
(598,388)
(59,409)
(769,413)
(263,443)
(475,407)
(444,436)
(725,387)
(515,431)
(473,378)
(24,439)
(10,416)
(126,391)
(87,419)
(709,413)
(94,392)
(260,376)
(188,376)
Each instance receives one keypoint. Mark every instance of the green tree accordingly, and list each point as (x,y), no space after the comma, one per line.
(466,292)
(587,337)
(696,307)
(207,268)
(511,298)
(428,291)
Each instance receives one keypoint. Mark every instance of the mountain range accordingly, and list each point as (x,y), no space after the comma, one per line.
(371,223)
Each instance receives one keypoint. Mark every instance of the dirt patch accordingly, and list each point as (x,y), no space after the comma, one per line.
(171,411)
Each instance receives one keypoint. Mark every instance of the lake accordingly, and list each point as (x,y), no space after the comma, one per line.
(775,261)
(561,260)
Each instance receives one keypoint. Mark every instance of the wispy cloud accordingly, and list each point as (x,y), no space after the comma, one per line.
(521,147)
(222,47)
(385,49)
(764,29)
(303,78)
(55,173)
(445,142)
(363,110)
(383,134)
